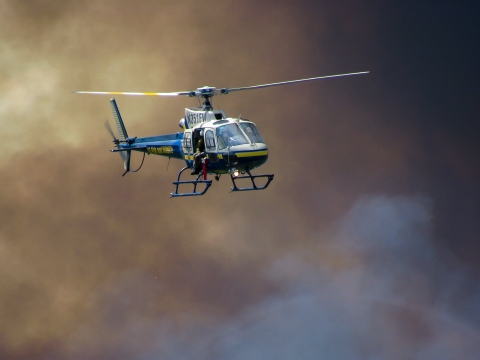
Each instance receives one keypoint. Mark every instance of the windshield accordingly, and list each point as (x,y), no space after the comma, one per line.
(252,132)
(230,135)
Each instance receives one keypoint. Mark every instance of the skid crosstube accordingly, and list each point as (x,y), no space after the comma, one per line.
(252,178)
(177,183)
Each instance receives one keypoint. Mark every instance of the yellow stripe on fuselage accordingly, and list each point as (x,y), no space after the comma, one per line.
(239,154)
(252,153)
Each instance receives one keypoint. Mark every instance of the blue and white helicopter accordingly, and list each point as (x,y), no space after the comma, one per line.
(230,146)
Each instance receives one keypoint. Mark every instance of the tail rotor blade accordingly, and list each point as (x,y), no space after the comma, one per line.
(125,157)
(109,129)
(126,160)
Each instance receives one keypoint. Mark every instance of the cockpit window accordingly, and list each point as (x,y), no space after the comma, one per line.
(230,135)
(252,132)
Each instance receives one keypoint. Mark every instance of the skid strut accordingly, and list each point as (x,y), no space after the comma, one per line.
(252,178)
(195,182)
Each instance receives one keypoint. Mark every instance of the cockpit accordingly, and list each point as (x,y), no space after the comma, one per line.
(232,134)
(222,135)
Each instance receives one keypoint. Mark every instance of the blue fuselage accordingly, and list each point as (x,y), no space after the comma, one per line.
(224,154)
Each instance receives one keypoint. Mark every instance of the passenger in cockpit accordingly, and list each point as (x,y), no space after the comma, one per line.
(224,135)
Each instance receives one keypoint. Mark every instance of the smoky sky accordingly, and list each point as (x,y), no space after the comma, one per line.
(364,246)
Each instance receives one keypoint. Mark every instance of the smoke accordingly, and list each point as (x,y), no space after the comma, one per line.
(381,293)
(372,288)
(95,265)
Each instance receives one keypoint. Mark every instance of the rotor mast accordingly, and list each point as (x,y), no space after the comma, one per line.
(206,93)
(207,103)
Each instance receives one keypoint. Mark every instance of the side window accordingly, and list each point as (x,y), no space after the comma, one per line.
(187,140)
(209,140)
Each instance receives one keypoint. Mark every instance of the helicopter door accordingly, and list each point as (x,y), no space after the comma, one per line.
(210,146)
(187,144)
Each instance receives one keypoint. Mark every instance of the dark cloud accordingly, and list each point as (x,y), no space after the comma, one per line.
(366,237)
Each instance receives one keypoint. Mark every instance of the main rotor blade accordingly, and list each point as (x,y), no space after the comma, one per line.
(207,91)
(133,93)
(227,90)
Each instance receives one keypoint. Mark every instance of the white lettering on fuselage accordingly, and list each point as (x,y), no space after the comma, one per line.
(195,118)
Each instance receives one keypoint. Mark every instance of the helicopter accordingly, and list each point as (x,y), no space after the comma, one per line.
(230,146)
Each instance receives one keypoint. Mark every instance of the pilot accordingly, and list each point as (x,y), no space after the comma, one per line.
(199,155)
(225,136)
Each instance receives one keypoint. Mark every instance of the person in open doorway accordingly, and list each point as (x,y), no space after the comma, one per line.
(199,155)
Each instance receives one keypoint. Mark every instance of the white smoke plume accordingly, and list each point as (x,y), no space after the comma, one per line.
(375,289)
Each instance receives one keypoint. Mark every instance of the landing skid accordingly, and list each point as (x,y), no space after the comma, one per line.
(195,182)
(252,178)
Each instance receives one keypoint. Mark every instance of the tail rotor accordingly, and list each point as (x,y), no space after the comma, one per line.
(110,131)
(125,155)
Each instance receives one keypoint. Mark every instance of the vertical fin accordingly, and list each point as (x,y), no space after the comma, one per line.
(122,132)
